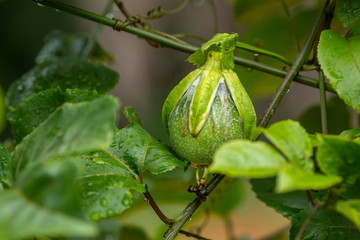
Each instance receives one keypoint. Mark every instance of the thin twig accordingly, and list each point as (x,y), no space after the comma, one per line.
(156,208)
(306,222)
(293,27)
(95,33)
(189,234)
(190,209)
(294,70)
(323,111)
(311,198)
(164,42)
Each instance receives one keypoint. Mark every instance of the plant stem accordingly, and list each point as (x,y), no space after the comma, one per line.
(295,68)
(156,209)
(185,216)
(165,42)
(95,33)
(311,198)
(189,234)
(323,111)
(306,222)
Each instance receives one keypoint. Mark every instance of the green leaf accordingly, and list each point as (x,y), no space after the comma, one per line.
(105,184)
(287,204)
(109,175)
(45,202)
(324,224)
(291,179)
(4,167)
(21,218)
(71,128)
(350,209)
(51,185)
(339,156)
(293,141)
(243,158)
(339,59)
(337,114)
(142,152)
(64,73)
(60,44)
(221,42)
(35,109)
(351,133)
(348,13)
(227,197)
(2,110)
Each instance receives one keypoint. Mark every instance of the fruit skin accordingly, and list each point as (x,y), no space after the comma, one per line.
(222,124)
(209,106)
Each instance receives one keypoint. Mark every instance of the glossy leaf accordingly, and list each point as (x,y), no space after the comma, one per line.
(109,175)
(221,42)
(60,44)
(338,117)
(4,167)
(44,202)
(348,13)
(243,158)
(350,209)
(71,128)
(291,179)
(287,204)
(293,141)
(339,59)
(339,156)
(35,109)
(228,197)
(324,224)
(142,152)
(105,184)
(351,133)
(51,185)
(64,73)
(21,218)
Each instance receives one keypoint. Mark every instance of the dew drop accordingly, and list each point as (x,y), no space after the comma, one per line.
(41,5)
(94,216)
(110,213)
(104,202)
(125,201)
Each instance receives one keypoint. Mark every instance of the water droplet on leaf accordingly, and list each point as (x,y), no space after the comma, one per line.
(104,202)
(94,216)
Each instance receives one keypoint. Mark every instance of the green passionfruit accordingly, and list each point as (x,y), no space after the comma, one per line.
(209,106)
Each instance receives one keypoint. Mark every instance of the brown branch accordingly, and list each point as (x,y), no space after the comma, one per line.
(156,208)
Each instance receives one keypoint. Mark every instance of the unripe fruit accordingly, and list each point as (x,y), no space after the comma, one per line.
(208,107)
